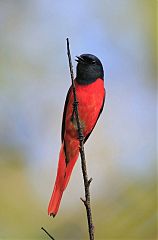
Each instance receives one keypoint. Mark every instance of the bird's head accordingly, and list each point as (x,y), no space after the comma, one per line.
(89,68)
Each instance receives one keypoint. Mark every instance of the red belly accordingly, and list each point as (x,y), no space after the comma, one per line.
(90,98)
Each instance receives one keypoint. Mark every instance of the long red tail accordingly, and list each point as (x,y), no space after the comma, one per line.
(62,179)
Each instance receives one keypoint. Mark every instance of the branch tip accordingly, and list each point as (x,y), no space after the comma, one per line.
(47,233)
(85,202)
(89,181)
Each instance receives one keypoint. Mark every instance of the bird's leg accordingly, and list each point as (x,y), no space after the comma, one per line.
(81,136)
(75,109)
(75,105)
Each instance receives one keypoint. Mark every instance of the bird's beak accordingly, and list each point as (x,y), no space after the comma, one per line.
(79,60)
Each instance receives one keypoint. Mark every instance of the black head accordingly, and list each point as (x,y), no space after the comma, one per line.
(89,68)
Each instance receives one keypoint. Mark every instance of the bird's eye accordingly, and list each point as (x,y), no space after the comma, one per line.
(93,62)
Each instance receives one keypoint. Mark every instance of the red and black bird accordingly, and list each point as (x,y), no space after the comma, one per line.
(90,93)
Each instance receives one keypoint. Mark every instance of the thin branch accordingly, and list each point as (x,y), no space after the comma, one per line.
(47,233)
(82,153)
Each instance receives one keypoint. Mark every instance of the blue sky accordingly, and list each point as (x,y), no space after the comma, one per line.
(35,78)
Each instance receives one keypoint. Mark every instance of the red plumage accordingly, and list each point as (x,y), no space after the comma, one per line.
(91,100)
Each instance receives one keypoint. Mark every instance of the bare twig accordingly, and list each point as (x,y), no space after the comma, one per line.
(82,153)
(47,233)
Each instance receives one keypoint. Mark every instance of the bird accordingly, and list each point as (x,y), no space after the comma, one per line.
(90,92)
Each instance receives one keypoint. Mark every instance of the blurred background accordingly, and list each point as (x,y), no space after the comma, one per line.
(121,152)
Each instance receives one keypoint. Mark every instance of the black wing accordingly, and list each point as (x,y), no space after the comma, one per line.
(64,115)
(86,137)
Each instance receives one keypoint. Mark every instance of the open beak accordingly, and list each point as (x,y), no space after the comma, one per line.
(79,60)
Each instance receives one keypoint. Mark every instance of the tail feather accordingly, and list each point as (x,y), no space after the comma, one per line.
(55,201)
(62,179)
(69,170)
(59,183)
